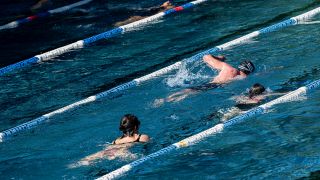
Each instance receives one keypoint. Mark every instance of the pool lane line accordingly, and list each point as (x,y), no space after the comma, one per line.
(294,95)
(4,135)
(19,22)
(88,41)
(286,23)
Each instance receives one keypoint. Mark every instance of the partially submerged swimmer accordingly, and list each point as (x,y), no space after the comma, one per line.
(227,73)
(146,13)
(41,5)
(256,95)
(129,125)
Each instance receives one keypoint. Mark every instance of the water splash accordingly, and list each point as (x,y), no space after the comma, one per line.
(268,90)
(188,76)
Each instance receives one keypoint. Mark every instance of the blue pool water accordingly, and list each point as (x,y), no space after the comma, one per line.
(282,143)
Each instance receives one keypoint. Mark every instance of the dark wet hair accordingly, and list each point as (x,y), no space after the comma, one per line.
(129,124)
(246,67)
(256,89)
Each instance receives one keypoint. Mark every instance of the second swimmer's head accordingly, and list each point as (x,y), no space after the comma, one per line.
(256,89)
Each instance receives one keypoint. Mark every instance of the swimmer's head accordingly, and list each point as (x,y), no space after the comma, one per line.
(129,124)
(246,67)
(256,89)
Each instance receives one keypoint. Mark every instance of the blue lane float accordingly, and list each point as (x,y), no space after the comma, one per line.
(19,22)
(294,95)
(88,41)
(136,82)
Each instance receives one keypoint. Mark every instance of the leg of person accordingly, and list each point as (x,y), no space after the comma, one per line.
(175,97)
(193,90)
(178,96)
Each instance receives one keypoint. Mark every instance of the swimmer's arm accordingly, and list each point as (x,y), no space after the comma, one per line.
(237,98)
(214,62)
(86,161)
(275,94)
(164,6)
(110,152)
(106,153)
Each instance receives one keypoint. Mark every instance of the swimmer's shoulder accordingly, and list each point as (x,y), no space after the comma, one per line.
(144,138)
(141,138)
(116,141)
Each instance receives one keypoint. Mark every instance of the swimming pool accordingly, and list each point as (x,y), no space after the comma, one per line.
(278,144)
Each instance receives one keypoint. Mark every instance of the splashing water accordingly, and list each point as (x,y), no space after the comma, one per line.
(186,76)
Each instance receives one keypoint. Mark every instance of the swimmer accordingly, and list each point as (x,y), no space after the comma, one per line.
(227,73)
(41,5)
(256,95)
(146,13)
(129,125)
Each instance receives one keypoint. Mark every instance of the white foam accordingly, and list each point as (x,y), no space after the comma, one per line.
(185,76)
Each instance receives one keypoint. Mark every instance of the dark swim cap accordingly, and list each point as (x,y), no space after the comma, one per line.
(256,89)
(246,67)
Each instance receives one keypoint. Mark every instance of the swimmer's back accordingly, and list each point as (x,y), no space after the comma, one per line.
(136,138)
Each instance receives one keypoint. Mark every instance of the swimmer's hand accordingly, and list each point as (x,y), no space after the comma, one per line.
(166,4)
(220,58)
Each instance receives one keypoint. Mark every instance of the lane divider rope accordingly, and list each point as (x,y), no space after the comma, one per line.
(19,22)
(136,82)
(294,95)
(88,41)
